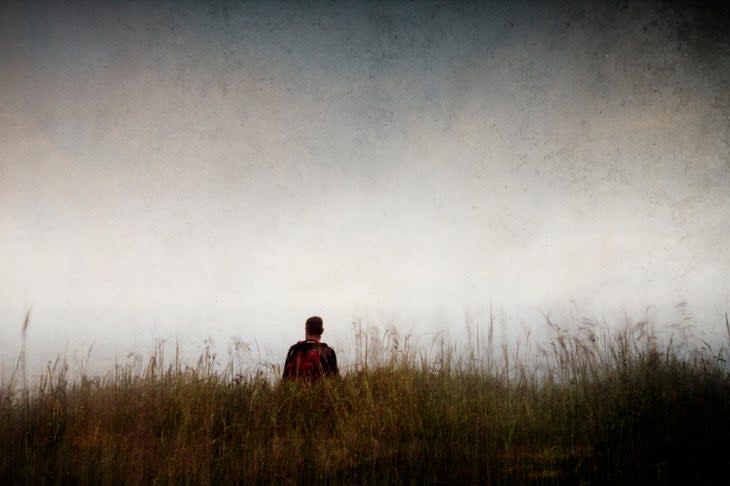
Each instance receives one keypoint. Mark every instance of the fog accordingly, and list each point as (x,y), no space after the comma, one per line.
(178,171)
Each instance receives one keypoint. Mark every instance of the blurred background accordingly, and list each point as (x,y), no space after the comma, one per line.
(187,170)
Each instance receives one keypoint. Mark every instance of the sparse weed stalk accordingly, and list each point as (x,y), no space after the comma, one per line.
(591,404)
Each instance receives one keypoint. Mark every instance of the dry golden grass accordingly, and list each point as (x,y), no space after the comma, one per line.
(590,406)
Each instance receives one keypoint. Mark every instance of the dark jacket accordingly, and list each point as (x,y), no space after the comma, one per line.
(310,360)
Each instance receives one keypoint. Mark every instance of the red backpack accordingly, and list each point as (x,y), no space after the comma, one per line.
(304,361)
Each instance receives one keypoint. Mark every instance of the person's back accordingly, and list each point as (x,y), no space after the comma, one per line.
(310,359)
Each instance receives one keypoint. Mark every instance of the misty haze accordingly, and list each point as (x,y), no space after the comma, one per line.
(513,218)
(178,173)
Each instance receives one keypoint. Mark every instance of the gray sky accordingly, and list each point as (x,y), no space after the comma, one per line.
(171,169)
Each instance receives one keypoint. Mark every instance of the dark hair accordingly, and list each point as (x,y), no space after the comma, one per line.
(314,326)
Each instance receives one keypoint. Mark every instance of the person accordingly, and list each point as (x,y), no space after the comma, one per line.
(310,359)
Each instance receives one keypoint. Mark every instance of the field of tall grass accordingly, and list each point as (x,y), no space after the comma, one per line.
(592,405)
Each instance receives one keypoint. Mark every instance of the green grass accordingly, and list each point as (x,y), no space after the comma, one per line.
(590,406)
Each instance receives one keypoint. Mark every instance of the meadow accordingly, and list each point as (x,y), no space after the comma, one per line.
(593,404)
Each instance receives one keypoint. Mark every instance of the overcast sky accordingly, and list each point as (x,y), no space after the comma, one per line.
(178,169)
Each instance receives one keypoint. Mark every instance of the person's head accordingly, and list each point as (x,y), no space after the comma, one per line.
(314,327)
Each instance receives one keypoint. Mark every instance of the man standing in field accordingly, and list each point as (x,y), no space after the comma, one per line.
(311,359)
